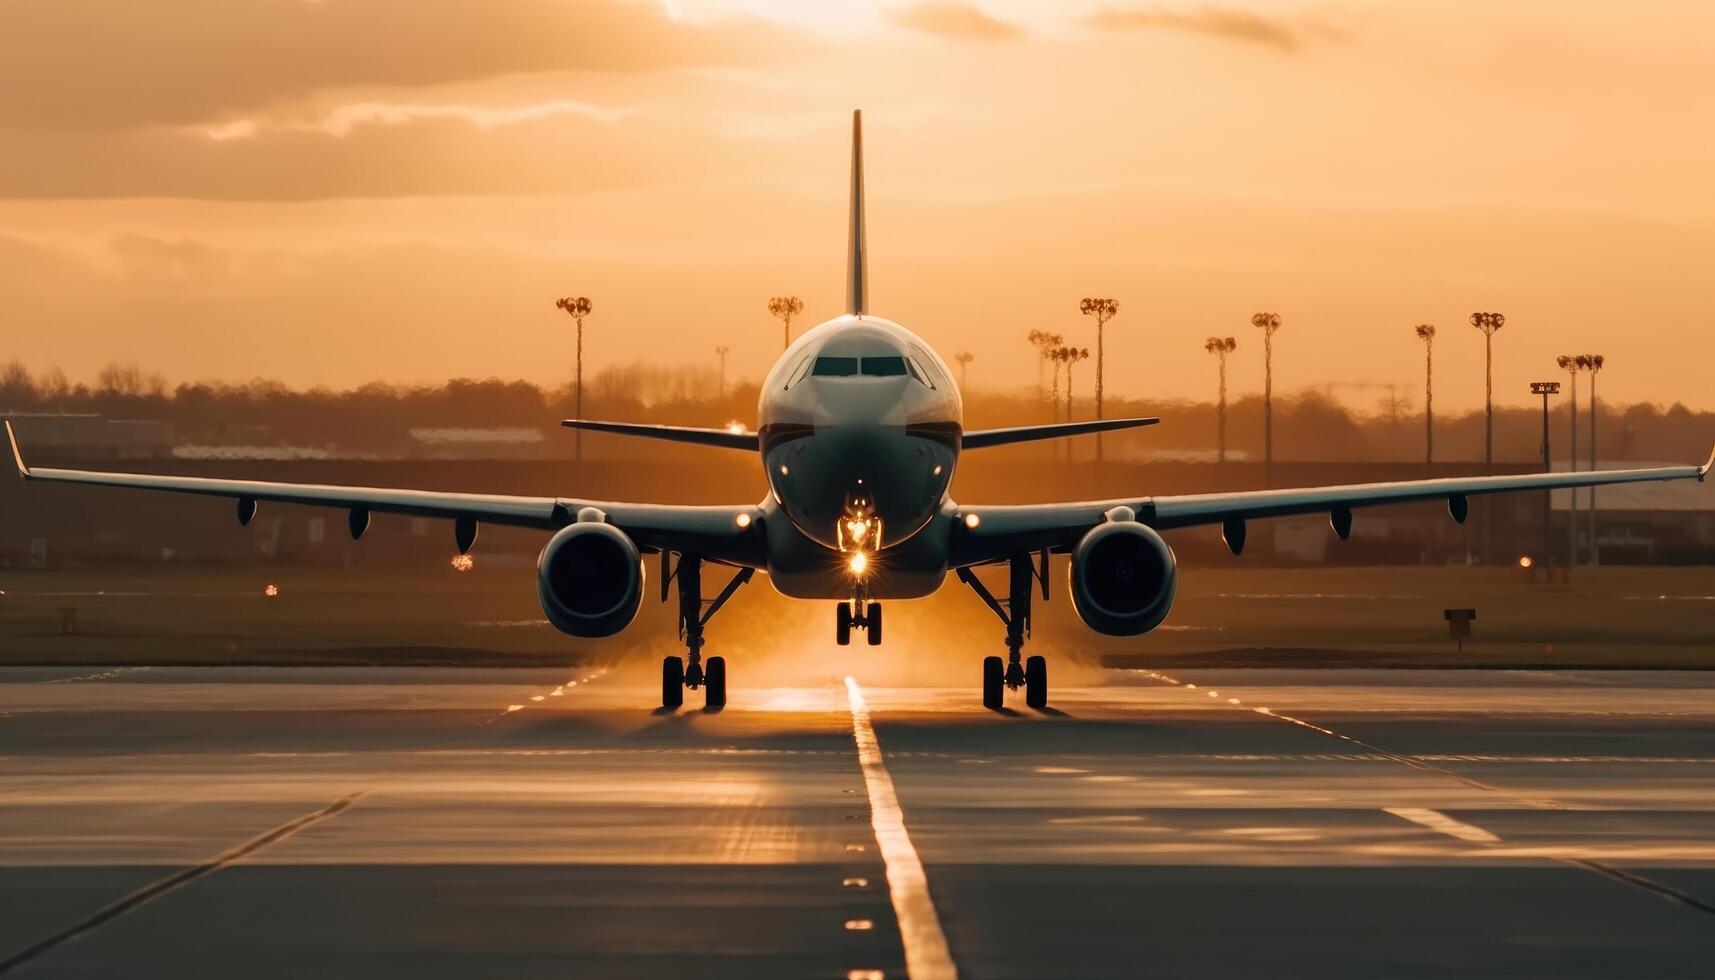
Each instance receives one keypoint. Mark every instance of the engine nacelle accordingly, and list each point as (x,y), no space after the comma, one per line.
(589,579)
(1123,578)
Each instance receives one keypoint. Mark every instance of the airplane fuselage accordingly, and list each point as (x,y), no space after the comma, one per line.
(859,423)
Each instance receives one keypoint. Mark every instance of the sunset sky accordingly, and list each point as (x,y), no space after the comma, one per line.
(333,191)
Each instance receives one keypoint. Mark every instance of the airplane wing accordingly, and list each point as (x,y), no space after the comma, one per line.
(742,439)
(725,438)
(1004,530)
(722,533)
(982,438)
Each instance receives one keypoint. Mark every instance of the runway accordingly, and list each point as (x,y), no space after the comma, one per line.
(523,823)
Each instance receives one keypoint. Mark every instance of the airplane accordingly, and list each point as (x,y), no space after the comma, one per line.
(860,428)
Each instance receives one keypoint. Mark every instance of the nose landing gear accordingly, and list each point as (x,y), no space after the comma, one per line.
(1014,612)
(847,618)
(691,672)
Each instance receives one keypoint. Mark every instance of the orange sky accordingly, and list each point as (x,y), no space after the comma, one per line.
(330,191)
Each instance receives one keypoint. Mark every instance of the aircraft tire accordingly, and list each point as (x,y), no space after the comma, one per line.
(672,682)
(714,682)
(1036,683)
(843,624)
(994,683)
(872,624)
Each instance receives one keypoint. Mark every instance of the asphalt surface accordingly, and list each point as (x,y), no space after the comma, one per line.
(357,822)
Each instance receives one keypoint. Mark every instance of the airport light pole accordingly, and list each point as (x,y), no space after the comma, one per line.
(1545,388)
(1268,323)
(1426,333)
(964,358)
(1572,365)
(1593,363)
(577,307)
(1488,323)
(721,352)
(1221,347)
(785,307)
(1103,309)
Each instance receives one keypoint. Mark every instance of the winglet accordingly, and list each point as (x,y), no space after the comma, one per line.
(857,248)
(1703,471)
(18,454)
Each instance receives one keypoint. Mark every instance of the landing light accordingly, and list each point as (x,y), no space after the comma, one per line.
(742,520)
(857,529)
(463,563)
(972,520)
(736,428)
(271,590)
(1524,561)
(858,563)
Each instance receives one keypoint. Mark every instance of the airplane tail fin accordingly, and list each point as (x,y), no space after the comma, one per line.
(857,249)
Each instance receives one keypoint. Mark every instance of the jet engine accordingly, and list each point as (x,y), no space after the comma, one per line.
(589,579)
(1123,578)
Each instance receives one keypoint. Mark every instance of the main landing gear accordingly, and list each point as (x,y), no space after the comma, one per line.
(691,671)
(847,617)
(1014,611)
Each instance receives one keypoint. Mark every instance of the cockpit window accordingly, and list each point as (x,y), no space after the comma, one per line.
(800,371)
(918,372)
(884,367)
(835,367)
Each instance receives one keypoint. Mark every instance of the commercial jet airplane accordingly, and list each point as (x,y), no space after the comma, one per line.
(860,427)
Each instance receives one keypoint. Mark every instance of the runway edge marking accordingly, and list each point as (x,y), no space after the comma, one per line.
(175,881)
(1427,817)
(927,956)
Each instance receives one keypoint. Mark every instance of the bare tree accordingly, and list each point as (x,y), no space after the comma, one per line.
(721,352)
(1488,323)
(785,307)
(1221,347)
(1426,333)
(577,307)
(1103,309)
(1268,323)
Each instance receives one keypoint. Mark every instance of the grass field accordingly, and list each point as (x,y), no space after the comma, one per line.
(1621,617)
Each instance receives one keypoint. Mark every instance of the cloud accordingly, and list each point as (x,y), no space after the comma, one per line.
(344,119)
(365,152)
(1242,26)
(96,64)
(958,21)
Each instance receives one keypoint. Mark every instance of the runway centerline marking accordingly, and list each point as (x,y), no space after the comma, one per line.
(558,691)
(1446,824)
(175,881)
(926,954)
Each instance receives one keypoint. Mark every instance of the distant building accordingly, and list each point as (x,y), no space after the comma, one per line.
(57,437)
(1671,523)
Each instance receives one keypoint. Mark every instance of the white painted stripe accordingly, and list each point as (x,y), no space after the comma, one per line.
(926,954)
(1441,823)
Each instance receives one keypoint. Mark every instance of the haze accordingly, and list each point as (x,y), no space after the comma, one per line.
(332,192)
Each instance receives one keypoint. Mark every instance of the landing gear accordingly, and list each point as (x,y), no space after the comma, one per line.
(846,620)
(1022,576)
(694,614)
